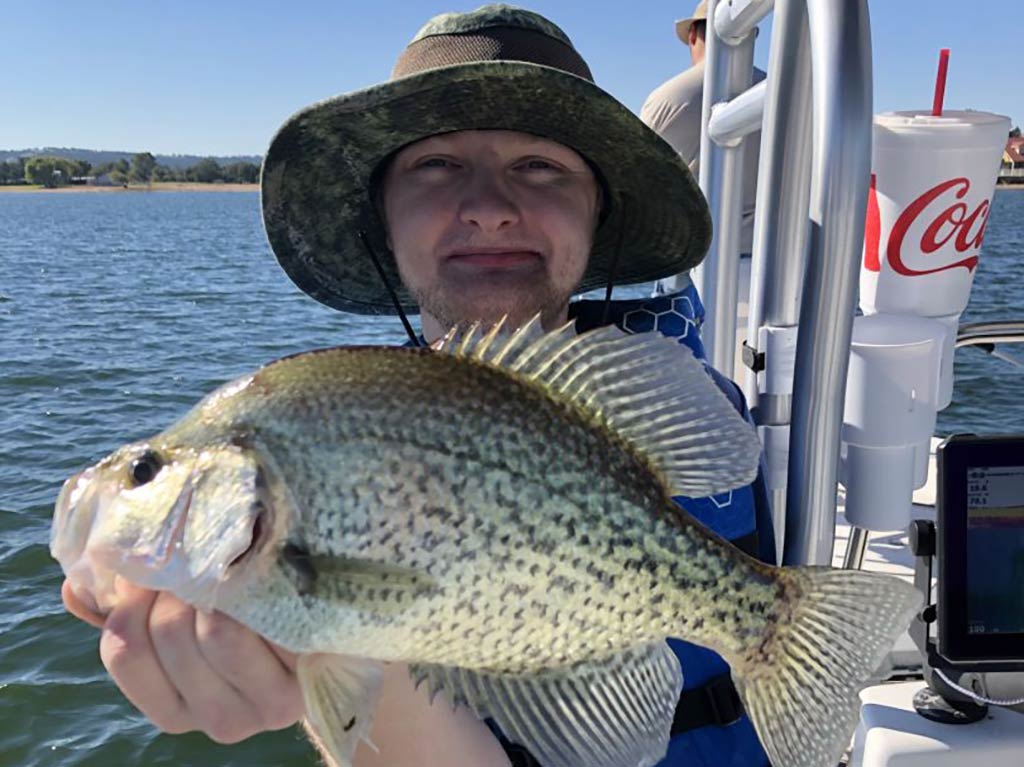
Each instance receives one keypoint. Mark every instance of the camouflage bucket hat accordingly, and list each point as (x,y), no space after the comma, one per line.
(496,68)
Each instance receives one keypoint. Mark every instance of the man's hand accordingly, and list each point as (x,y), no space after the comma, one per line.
(188,670)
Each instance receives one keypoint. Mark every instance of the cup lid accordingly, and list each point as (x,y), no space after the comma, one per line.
(950,118)
(953,130)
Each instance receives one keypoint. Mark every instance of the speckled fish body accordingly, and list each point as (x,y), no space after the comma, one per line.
(527,532)
(494,514)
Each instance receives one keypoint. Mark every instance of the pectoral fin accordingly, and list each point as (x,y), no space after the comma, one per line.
(341,695)
(601,714)
(355,582)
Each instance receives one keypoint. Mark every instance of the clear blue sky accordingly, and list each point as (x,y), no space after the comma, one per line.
(219,76)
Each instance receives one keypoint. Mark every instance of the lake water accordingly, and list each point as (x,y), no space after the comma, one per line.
(117,312)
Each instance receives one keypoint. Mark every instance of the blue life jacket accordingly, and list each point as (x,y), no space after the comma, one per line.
(734,516)
(742,516)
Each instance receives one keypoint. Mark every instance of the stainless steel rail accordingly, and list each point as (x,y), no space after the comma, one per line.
(743,115)
(808,232)
(781,228)
(992,336)
(735,18)
(728,71)
(985,333)
(856,546)
(841,61)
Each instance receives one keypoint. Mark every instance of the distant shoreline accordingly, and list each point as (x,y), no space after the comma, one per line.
(156,186)
(191,186)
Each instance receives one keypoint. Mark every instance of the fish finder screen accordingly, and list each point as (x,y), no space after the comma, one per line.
(995,549)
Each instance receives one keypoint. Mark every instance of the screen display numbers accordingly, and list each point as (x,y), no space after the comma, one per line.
(995,549)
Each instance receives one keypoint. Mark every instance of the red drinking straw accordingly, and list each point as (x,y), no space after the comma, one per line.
(940,82)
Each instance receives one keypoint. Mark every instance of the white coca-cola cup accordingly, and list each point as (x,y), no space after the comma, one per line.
(932,181)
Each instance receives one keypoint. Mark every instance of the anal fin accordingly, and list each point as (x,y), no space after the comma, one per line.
(612,713)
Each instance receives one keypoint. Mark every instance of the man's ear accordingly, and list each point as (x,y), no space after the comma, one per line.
(691,35)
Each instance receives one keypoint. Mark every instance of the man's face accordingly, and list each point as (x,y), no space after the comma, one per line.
(488,223)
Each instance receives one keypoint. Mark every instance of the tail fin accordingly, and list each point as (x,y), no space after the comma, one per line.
(801,687)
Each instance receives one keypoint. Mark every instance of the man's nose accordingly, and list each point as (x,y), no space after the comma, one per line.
(487,202)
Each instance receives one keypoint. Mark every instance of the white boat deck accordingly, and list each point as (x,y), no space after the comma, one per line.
(892,734)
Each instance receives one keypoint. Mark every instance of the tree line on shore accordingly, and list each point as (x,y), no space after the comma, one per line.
(52,172)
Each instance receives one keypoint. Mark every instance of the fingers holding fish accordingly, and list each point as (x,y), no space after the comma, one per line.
(189,670)
(260,673)
(127,652)
(77,607)
(217,707)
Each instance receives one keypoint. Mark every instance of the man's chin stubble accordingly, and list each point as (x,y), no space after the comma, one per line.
(462,310)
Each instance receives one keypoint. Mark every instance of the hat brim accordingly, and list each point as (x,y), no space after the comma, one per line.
(315,183)
(683,28)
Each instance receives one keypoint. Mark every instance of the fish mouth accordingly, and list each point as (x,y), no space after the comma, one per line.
(74,519)
(65,542)
(91,558)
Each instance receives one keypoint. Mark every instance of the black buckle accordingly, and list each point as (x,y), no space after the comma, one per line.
(752,358)
(723,699)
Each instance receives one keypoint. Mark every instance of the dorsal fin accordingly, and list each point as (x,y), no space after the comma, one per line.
(647,388)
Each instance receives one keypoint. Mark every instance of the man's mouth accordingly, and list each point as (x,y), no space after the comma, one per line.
(494,257)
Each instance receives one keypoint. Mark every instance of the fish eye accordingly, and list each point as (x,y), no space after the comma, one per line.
(145,468)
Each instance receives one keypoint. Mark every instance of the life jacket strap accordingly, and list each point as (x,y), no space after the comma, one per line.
(715,702)
(748,543)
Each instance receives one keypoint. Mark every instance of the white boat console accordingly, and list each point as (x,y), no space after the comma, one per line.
(892,734)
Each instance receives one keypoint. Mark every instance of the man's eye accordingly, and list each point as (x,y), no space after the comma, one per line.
(434,162)
(539,165)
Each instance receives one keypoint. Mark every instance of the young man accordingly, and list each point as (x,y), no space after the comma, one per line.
(490,176)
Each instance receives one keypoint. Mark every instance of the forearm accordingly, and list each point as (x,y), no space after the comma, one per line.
(410,732)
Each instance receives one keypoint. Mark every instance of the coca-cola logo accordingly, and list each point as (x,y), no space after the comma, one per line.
(953,224)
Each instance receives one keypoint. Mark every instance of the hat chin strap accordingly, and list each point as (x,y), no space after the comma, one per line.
(391,291)
(612,269)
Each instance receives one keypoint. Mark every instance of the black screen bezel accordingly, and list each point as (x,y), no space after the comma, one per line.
(954,458)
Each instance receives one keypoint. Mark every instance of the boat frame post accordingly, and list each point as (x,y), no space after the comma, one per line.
(728,72)
(816,116)
(840,38)
(781,228)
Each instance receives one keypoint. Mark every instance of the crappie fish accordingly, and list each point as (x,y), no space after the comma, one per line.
(498,514)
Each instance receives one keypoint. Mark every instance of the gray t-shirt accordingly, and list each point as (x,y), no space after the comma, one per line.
(673,111)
